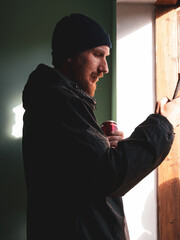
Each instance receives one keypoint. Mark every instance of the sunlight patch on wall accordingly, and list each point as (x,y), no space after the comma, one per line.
(134,78)
(17,127)
(135,101)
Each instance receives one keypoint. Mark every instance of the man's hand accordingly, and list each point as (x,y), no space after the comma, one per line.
(115,138)
(170,110)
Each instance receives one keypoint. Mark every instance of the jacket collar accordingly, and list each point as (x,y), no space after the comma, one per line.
(76,87)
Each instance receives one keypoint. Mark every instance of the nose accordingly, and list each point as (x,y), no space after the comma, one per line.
(103,67)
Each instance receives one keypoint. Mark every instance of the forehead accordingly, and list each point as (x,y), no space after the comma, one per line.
(102,49)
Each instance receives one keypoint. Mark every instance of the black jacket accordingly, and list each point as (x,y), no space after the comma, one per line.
(74,179)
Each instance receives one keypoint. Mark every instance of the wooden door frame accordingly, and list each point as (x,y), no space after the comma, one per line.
(166,78)
(166,2)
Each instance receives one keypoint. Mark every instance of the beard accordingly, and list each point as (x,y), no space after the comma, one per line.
(89,87)
(89,84)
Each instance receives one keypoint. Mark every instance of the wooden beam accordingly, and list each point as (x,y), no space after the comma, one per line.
(166,79)
(166,2)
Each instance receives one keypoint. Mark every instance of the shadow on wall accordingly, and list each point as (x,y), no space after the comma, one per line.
(169,209)
(169,212)
(12,185)
(136,18)
(146,215)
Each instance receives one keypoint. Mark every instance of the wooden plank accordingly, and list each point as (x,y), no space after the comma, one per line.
(166,2)
(166,79)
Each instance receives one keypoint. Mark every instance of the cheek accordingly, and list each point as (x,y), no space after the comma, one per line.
(85,69)
(90,62)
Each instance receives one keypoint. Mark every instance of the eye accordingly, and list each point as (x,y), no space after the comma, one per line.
(98,54)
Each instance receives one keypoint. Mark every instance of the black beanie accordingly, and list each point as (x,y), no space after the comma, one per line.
(74,34)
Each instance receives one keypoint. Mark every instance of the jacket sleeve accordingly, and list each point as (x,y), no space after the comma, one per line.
(98,168)
(122,168)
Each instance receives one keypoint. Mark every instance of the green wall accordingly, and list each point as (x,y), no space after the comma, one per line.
(26,29)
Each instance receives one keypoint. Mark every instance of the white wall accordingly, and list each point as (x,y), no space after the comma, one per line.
(135,101)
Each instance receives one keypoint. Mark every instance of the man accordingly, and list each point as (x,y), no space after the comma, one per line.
(75,179)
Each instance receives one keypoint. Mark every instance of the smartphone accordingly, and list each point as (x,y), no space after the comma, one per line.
(177,90)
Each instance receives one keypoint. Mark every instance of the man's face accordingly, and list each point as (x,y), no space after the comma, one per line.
(88,66)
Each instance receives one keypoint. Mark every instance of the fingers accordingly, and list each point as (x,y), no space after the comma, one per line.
(170,110)
(115,138)
(177,99)
(164,100)
(160,104)
(117,133)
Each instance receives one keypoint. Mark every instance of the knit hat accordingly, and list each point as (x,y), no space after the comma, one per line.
(74,34)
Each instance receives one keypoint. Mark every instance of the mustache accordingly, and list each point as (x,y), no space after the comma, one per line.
(97,75)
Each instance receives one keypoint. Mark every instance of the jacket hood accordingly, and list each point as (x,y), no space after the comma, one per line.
(38,80)
(42,78)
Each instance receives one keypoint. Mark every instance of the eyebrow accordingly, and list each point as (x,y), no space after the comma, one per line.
(100,50)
